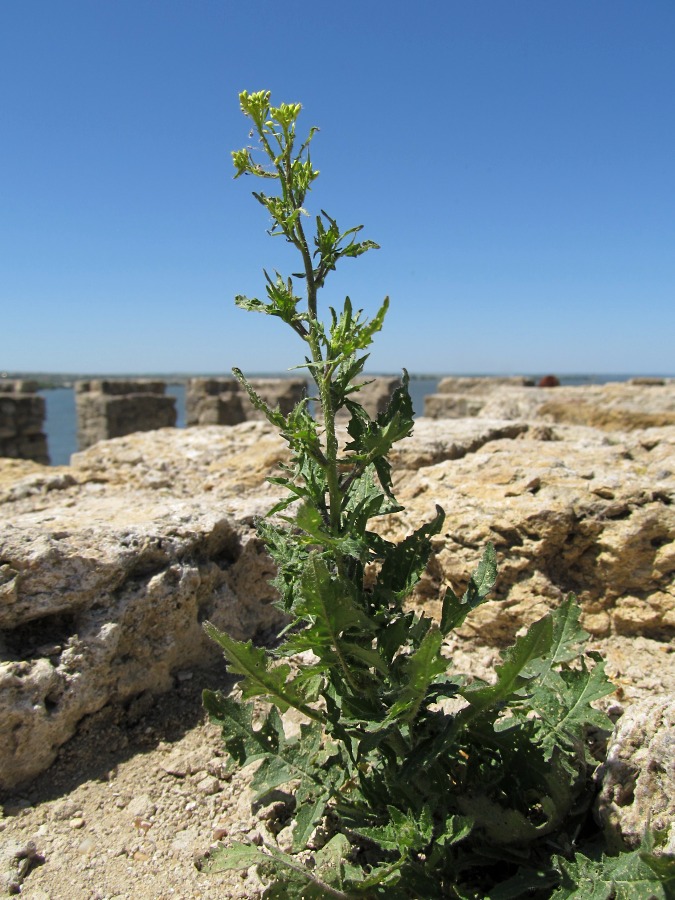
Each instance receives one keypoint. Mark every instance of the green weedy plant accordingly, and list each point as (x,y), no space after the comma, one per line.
(396,794)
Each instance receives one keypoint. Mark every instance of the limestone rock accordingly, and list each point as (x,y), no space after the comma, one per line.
(108,567)
(103,590)
(615,406)
(460,396)
(638,778)
(577,511)
(462,384)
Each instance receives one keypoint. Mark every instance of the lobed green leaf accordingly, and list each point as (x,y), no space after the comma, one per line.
(454,610)
(629,876)
(260,678)
(512,675)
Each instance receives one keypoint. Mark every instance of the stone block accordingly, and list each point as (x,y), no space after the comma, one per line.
(108,409)
(452,406)
(22,414)
(480,384)
(222,401)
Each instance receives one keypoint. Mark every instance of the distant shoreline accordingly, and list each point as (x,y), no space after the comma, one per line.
(51,380)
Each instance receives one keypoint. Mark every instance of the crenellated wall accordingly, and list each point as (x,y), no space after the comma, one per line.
(110,408)
(22,415)
(222,401)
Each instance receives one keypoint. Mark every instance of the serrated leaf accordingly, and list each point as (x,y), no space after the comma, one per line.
(483,579)
(455,829)
(307,818)
(260,679)
(287,760)
(244,743)
(367,655)
(623,877)
(235,856)
(281,760)
(568,635)
(273,415)
(394,635)
(372,441)
(454,610)
(562,696)
(405,561)
(252,304)
(330,860)
(403,832)
(419,670)
(331,600)
(566,645)
(310,520)
(510,677)
(364,500)
(566,712)
(291,877)
(349,369)
(349,334)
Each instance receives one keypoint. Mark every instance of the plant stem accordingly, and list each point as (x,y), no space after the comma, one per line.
(322,377)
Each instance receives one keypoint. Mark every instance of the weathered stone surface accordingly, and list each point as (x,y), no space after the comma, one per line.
(109,566)
(108,409)
(452,406)
(457,397)
(613,407)
(463,384)
(638,778)
(223,401)
(576,511)
(104,586)
(19,386)
(22,415)
(107,611)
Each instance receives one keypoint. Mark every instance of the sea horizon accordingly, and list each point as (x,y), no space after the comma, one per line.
(49,380)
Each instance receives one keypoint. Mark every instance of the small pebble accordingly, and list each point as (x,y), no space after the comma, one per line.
(209,785)
(87,845)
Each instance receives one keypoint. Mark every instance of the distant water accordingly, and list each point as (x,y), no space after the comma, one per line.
(61,422)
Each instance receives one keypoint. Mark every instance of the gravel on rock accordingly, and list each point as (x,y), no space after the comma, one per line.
(131,806)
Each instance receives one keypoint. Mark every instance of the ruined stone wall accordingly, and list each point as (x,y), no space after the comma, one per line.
(459,397)
(22,415)
(108,409)
(222,401)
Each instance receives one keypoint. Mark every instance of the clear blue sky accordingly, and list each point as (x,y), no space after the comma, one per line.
(515,160)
